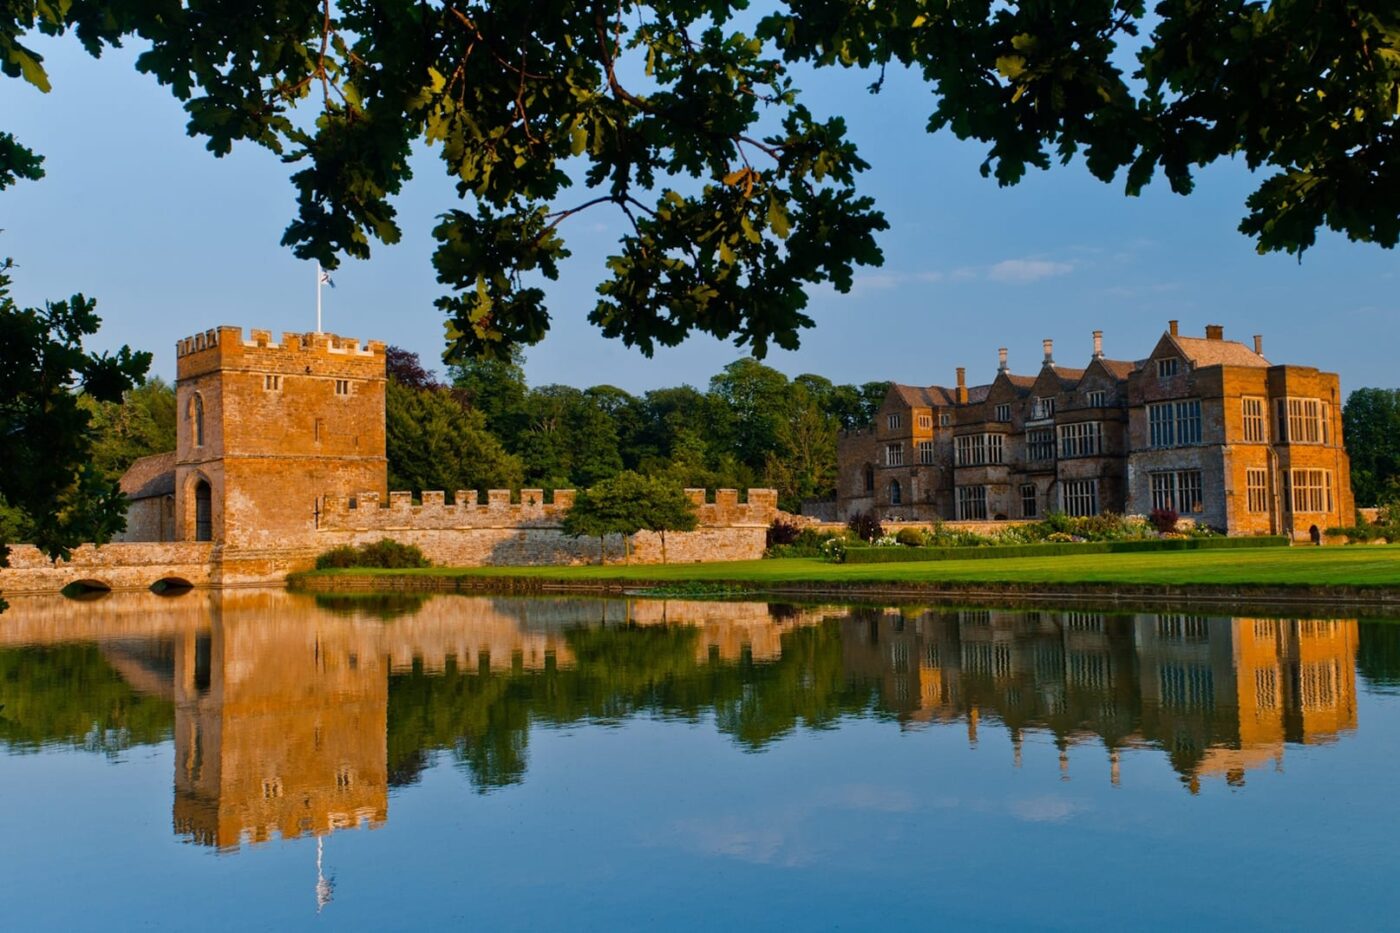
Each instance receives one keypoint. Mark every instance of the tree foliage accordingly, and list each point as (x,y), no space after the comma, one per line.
(626,504)
(433,442)
(685,120)
(1371,426)
(141,424)
(48,472)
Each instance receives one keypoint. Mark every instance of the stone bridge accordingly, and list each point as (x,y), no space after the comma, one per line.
(140,565)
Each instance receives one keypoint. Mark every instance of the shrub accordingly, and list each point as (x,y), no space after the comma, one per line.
(1164,520)
(782,532)
(338,557)
(834,550)
(910,537)
(385,553)
(865,526)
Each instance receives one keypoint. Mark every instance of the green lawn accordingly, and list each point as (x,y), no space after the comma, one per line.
(1296,566)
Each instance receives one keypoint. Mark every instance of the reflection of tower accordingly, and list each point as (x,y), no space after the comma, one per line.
(279,726)
(325,887)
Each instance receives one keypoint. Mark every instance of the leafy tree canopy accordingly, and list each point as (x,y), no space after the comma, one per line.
(433,442)
(1371,426)
(48,472)
(628,503)
(141,424)
(685,119)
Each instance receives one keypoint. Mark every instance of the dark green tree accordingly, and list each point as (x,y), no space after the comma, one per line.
(628,503)
(47,470)
(736,197)
(433,442)
(753,398)
(141,424)
(1371,426)
(497,389)
(665,507)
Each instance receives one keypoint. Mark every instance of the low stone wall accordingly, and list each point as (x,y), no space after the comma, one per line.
(525,546)
(471,533)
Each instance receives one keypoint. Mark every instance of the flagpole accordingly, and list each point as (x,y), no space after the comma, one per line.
(318,296)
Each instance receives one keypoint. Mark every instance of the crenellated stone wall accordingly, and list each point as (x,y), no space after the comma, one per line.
(470,533)
(465,533)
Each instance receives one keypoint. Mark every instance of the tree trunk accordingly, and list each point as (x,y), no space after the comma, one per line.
(602,550)
(627,549)
(663,545)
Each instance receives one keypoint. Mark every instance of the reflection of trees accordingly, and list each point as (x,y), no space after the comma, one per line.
(1378,655)
(483,717)
(69,694)
(385,606)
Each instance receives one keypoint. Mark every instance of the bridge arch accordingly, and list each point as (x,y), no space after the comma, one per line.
(171,586)
(86,588)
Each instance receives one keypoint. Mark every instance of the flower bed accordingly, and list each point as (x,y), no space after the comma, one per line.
(859,554)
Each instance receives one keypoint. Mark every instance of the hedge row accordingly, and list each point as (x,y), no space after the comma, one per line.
(893,555)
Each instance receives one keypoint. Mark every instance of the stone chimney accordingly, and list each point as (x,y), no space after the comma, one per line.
(1098,344)
(1001,360)
(1171,328)
(962,386)
(1215,332)
(1049,346)
(1259,344)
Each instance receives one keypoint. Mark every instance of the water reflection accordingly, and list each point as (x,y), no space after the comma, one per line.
(290,715)
(1219,695)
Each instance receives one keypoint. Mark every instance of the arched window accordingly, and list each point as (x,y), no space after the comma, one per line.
(203,512)
(197,419)
(869,478)
(894,492)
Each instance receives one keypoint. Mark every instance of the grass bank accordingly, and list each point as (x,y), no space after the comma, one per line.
(1364,574)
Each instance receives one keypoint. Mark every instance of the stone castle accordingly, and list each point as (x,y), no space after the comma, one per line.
(1203,426)
(280,455)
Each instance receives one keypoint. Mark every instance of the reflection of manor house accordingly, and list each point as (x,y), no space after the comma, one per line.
(1203,425)
(1219,695)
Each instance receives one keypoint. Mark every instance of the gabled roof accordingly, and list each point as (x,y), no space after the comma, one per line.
(978,394)
(923,396)
(1120,369)
(1024,383)
(1203,351)
(150,476)
(1069,378)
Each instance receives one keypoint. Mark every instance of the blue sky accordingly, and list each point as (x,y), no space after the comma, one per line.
(172,240)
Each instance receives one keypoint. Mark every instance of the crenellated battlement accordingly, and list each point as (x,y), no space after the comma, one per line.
(226,349)
(228,337)
(500,509)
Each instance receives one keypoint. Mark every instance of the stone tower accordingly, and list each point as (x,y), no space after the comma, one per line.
(266,430)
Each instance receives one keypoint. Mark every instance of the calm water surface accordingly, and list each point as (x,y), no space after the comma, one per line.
(264,760)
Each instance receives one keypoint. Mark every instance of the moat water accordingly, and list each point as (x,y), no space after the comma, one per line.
(263,760)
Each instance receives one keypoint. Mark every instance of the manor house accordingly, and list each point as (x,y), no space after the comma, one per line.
(1203,426)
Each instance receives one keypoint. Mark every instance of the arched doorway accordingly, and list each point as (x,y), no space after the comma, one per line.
(203,512)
